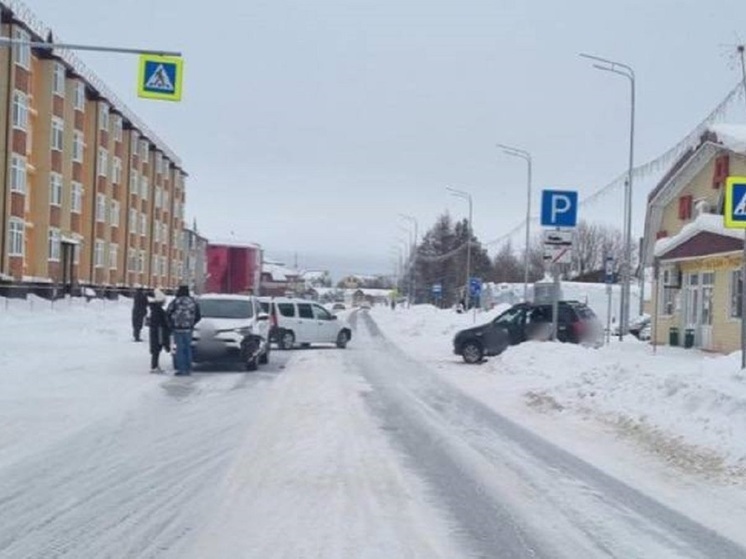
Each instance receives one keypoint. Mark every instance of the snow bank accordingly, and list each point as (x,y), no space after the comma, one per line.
(685,406)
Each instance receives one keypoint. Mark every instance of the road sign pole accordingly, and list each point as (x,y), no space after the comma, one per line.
(743,304)
(555,301)
(608,314)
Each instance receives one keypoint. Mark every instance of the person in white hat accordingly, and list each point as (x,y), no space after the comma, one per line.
(160,334)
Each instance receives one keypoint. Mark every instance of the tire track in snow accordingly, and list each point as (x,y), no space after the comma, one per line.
(512,490)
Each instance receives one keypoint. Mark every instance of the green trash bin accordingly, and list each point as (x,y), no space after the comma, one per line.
(673,336)
(689,338)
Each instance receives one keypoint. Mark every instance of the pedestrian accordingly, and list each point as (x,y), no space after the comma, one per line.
(183,313)
(160,333)
(139,310)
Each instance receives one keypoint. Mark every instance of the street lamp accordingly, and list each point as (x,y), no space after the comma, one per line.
(627,72)
(523,154)
(466,196)
(413,255)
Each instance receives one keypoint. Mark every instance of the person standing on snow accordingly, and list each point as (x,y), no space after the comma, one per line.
(183,313)
(160,333)
(139,310)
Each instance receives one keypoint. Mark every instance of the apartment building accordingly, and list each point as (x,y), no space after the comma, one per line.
(90,196)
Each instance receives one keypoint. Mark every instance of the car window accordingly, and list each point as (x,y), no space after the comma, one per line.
(226,308)
(585,312)
(265,306)
(305,310)
(566,314)
(511,316)
(540,314)
(286,309)
(321,313)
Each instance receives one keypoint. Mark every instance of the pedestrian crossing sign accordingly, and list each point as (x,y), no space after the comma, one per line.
(735,203)
(160,77)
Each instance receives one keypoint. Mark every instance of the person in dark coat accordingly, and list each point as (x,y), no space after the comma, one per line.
(159,331)
(183,313)
(139,310)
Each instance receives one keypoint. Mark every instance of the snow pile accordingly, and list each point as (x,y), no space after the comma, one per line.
(703,223)
(732,136)
(685,406)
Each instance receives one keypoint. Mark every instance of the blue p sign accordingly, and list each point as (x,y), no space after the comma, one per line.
(559,208)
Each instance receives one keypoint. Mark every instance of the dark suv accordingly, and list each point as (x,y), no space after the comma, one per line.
(576,323)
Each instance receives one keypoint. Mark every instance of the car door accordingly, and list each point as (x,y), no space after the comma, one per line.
(306,324)
(326,325)
(513,321)
(261,326)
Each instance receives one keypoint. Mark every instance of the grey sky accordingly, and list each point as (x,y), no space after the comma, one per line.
(306,126)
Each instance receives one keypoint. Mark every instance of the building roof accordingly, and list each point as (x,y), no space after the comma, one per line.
(712,224)
(278,271)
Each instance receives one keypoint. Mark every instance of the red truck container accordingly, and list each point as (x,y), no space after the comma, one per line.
(233,267)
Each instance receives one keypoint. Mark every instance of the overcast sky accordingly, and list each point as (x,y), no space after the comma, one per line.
(306,126)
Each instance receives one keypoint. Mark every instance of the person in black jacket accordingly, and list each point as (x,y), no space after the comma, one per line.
(139,310)
(160,333)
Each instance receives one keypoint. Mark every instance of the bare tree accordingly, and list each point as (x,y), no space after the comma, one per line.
(507,266)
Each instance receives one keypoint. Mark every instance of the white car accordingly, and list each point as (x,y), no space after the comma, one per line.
(233,327)
(297,321)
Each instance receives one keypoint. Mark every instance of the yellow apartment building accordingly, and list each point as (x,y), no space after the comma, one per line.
(698,286)
(90,195)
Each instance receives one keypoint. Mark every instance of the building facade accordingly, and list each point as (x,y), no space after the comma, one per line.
(90,196)
(195,263)
(698,287)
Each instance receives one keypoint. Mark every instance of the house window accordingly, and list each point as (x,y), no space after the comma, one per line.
(78,146)
(114,213)
(141,262)
(736,293)
(76,254)
(79,96)
(158,162)
(20,110)
(131,260)
(133,220)
(103,162)
(99,248)
(134,182)
(118,128)
(18,174)
(22,53)
(113,256)
(16,230)
(165,200)
(134,139)
(158,196)
(58,81)
(55,189)
(116,171)
(157,232)
(54,244)
(76,203)
(101,208)
(58,131)
(143,225)
(144,150)
(103,116)
(154,266)
(164,265)
(144,187)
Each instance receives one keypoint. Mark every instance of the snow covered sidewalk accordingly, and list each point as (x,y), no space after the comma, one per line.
(687,407)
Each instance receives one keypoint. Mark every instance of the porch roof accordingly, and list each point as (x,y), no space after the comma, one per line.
(703,244)
(710,224)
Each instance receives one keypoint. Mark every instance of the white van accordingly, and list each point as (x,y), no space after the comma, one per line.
(297,321)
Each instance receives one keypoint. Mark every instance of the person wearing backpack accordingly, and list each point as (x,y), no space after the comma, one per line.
(183,313)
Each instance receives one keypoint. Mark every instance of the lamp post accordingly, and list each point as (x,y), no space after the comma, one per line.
(413,255)
(523,154)
(466,196)
(627,72)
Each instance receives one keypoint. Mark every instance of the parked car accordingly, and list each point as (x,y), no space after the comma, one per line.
(297,321)
(233,327)
(576,323)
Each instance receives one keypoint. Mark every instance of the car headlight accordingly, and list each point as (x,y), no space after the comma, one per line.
(243,331)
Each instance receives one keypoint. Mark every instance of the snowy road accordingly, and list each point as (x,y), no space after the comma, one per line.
(362,453)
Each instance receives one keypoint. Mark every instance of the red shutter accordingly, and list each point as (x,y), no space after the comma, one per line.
(685,207)
(722,169)
(661,234)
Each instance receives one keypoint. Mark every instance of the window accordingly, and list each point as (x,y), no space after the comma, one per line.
(321,313)
(79,96)
(144,187)
(22,53)
(165,201)
(736,293)
(58,80)
(164,233)
(101,208)
(114,219)
(116,171)
(76,254)
(99,249)
(164,265)
(133,220)
(54,244)
(78,146)
(76,203)
(158,196)
(143,225)
(144,149)
(20,110)
(305,310)
(55,189)
(103,162)
(113,256)
(134,139)
(18,174)
(134,182)
(118,128)
(131,260)
(103,116)
(157,232)
(16,228)
(58,131)
(141,261)
(154,265)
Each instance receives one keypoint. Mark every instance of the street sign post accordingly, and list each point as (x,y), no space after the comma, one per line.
(160,77)
(735,218)
(608,280)
(475,293)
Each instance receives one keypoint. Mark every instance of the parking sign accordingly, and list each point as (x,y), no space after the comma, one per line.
(559,208)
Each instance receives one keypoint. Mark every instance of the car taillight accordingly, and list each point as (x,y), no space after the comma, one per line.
(579,328)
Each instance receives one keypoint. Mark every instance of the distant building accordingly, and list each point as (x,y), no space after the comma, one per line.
(195,260)
(233,267)
(279,280)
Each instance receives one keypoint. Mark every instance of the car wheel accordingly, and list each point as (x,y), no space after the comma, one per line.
(342,339)
(287,339)
(264,357)
(472,352)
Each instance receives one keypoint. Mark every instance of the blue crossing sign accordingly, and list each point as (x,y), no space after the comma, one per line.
(160,77)
(475,287)
(559,208)
(437,289)
(735,203)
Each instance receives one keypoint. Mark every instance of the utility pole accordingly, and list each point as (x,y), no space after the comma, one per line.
(465,195)
(413,256)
